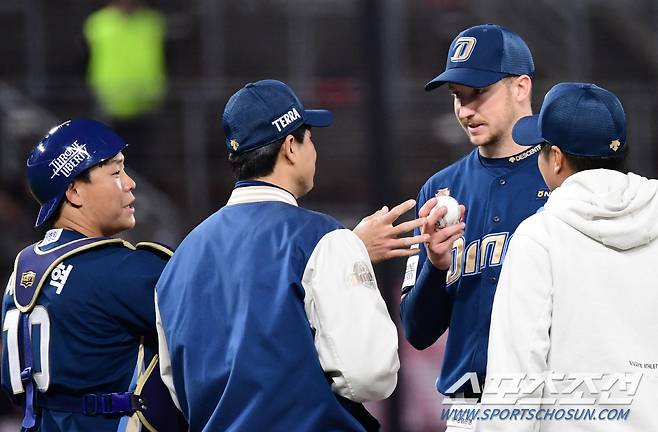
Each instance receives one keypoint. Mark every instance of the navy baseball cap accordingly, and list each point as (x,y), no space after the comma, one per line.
(263,112)
(581,119)
(482,55)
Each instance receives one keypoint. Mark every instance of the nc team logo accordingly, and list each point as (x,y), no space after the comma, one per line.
(28,278)
(543,193)
(463,49)
(66,162)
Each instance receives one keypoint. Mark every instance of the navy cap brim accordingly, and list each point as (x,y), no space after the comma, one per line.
(47,209)
(469,77)
(526,131)
(318,118)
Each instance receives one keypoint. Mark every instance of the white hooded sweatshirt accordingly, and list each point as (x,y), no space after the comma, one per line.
(577,302)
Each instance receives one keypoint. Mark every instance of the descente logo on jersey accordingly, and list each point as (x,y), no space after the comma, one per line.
(66,162)
(286,119)
(525,154)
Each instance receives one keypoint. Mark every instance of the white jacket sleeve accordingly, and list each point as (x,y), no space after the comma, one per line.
(163,353)
(356,340)
(519,338)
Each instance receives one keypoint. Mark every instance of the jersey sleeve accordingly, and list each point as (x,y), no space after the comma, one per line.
(355,338)
(425,307)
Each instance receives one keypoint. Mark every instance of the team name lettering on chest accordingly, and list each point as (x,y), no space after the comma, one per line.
(471,259)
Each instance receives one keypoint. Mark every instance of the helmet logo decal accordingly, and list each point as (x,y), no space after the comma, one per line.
(66,162)
(463,49)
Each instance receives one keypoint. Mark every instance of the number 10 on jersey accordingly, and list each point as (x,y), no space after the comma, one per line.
(39,324)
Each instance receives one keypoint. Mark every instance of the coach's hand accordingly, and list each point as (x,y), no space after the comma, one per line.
(383,240)
(440,240)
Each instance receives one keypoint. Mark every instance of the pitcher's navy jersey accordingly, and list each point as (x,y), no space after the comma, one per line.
(232,306)
(89,319)
(498,194)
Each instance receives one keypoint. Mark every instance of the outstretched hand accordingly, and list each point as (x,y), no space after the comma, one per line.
(385,240)
(439,240)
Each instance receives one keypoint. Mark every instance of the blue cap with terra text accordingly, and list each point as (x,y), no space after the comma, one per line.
(263,112)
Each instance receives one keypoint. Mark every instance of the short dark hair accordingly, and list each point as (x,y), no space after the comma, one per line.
(583,163)
(260,162)
(84,177)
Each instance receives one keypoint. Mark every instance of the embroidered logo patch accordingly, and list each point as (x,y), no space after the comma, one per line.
(463,49)
(28,278)
(361,275)
(525,154)
(543,193)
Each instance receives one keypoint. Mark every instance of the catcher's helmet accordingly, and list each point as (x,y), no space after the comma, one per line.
(66,151)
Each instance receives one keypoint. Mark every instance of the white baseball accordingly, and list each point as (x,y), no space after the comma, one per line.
(452,215)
